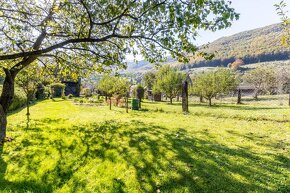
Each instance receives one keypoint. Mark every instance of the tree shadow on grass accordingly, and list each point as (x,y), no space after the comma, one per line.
(20,186)
(158,159)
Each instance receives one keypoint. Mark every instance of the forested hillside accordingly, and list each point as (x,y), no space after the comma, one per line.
(259,45)
(254,46)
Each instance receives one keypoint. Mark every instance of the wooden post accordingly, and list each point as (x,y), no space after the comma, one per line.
(239,101)
(185,97)
(289,99)
(127,102)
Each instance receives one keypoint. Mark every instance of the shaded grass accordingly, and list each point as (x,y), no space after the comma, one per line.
(72,148)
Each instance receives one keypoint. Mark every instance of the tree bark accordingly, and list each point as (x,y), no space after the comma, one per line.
(3,124)
(201,99)
(110,103)
(140,103)
(27,109)
(127,104)
(170,100)
(209,101)
(6,100)
(256,95)
(239,101)
(185,97)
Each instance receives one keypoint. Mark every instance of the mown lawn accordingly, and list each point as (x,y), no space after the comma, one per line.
(70,148)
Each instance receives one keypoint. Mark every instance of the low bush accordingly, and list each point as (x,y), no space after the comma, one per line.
(70,96)
(87,92)
(19,99)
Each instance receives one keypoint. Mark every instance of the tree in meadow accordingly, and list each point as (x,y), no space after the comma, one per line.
(28,80)
(210,84)
(92,35)
(263,79)
(169,82)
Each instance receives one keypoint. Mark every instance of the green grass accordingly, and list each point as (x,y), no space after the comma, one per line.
(225,148)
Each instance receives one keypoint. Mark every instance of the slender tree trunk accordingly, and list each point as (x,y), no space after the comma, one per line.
(239,101)
(177,98)
(289,99)
(127,104)
(110,103)
(170,100)
(185,97)
(139,104)
(201,99)
(6,100)
(27,108)
(209,101)
(256,95)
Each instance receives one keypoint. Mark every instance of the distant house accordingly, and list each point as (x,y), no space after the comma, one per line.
(154,97)
(72,87)
(246,90)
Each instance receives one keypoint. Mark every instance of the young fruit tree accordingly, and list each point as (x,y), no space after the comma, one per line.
(263,79)
(169,81)
(94,35)
(210,84)
(28,80)
(111,85)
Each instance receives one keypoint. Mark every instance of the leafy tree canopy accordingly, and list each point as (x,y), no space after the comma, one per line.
(209,84)
(94,34)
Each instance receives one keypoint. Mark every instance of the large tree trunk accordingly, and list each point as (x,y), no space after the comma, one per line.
(3,124)
(185,97)
(209,101)
(6,100)
(171,100)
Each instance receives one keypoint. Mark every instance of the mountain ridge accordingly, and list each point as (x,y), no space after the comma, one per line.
(252,46)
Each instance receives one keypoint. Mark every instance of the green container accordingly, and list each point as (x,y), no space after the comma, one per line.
(135,104)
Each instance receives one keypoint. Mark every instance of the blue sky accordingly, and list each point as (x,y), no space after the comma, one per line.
(253,14)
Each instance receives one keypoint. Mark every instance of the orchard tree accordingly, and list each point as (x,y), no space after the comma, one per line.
(212,83)
(263,79)
(149,79)
(28,80)
(169,81)
(114,85)
(106,85)
(95,34)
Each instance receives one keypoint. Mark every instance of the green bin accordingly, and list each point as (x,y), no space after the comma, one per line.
(135,104)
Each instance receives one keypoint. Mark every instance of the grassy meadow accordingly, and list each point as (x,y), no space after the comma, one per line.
(78,148)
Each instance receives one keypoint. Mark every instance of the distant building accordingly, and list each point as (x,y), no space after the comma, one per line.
(72,87)
(246,90)
(154,97)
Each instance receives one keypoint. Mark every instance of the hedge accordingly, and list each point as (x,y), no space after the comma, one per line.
(19,99)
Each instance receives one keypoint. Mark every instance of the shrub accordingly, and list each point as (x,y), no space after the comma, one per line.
(41,92)
(19,99)
(57,89)
(87,92)
(70,96)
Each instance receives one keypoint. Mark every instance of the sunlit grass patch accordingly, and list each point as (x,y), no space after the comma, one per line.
(70,148)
